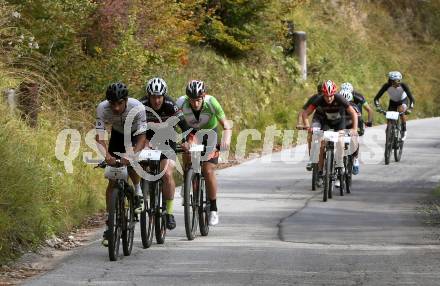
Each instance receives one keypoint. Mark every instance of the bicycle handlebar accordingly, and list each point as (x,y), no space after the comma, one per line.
(179,148)
(302,127)
(384,112)
(104,164)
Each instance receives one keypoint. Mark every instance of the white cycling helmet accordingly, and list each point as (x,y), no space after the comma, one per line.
(347,86)
(395,76)
(347,94)
(156,86)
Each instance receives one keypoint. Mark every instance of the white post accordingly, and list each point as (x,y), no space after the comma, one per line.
(301,51)
(11,98)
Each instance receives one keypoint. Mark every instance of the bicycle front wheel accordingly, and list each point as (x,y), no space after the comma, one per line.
(399,146)
(348,174)
(147,216)
(332,174)
(388,142)
(129,221)
(398,151)
(203,209)
(327,175)
(160,219)
(114,225)
(190,202)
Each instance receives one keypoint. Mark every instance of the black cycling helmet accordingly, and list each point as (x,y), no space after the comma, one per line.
(319,87)
(116,91)
(195,89)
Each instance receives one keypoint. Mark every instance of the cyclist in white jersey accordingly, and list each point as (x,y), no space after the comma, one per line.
(399,94)
(114,111)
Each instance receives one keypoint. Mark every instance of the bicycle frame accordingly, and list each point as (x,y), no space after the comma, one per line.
(330,138)
(196,204)
(121,217)
(393,135)
(156,208)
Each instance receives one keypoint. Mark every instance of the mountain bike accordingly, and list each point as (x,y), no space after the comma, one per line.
(314,155)
(153,217)
(348,165)
(195,199)
(121,216)
(393,138)
(330,138)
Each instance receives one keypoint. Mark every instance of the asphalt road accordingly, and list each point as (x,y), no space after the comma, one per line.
(275,231)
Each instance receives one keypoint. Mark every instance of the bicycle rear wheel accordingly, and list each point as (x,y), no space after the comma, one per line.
(147,216)
(332,174)
(314,176)
(160,219)
(190,203)
(114,225)
(203,209)
(341,177)
(129,221)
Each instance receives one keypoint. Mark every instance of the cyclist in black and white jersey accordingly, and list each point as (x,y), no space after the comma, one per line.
(349,124)
(159,108)
(399,94)
(115,111)
(361,103)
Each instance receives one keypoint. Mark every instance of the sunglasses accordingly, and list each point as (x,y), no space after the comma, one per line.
(196,99)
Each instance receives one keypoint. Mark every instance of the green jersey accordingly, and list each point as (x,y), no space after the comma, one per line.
(209,115)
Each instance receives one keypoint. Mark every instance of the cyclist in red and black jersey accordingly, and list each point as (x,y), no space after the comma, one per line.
(334,106)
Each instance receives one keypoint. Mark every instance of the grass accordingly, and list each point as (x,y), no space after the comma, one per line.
(436,192)
(430,208)
(37,196)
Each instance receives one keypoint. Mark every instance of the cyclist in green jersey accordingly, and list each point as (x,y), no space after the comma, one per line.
(204,112)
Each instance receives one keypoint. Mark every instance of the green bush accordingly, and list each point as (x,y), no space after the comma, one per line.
(230,25)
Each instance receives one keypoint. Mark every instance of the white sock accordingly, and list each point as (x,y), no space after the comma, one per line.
(138,189)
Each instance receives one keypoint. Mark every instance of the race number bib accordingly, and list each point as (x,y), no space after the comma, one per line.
(333,116)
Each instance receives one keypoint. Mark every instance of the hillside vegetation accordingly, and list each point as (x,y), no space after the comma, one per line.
(241,49)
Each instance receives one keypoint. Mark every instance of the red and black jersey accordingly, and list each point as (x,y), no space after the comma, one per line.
(309,101)
(334,111)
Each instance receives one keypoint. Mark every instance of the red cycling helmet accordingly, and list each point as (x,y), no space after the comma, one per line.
(329,88)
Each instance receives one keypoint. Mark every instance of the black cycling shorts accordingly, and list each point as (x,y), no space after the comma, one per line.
(392,106)
(116,143)
(325,124)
